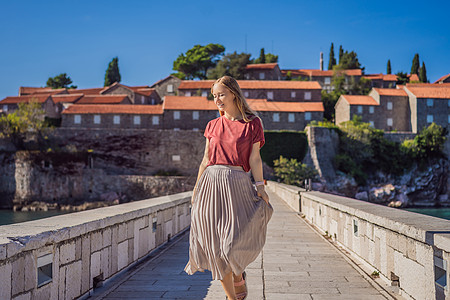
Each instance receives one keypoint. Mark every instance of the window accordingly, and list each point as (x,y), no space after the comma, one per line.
(327,80)
(359,109)
(307,95)
(170,88)
(57,109)
(262,76)
(246,95)
(429,118)
(371,109)
(176,129)
(389,105)
(142,99)
(389,122)
(195,115)
(77,119)
(153,101)
(194,129)
(187,94)
(307,116)
(116,120)
(430,102)
(276,117)
(204,94)
(270,95)
(371,124)
(137,120)
(97,119)
(292,94)
(176,115)
(291,117)
(5,106)
(155,120)
(176,158)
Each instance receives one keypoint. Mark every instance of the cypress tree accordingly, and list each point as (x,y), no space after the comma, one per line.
(332,59)
(262,57)
(112,73)
(341,53)
(423,73)
(415,64)
(389,70)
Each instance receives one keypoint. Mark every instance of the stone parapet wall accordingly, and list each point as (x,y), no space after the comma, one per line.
(84,249)
(407,249)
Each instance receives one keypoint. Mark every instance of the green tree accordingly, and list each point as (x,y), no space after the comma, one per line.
(428,143)
(197,61)
(265,58)
(402,78)
(423,73)
(29,117)
(341,52)
(292,172)
(60,81)
(262,56)
(232,64)
(112,73)
(349,60)
(388,68)
(331,59)
(415,64)
(271,58)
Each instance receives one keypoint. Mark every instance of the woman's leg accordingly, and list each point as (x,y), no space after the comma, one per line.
(228,286)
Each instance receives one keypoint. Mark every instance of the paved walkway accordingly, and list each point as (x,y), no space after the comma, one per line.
(296,263)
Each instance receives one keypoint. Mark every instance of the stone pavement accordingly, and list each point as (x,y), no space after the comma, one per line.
(296,263)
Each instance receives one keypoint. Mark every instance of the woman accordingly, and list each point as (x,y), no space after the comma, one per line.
(229,219)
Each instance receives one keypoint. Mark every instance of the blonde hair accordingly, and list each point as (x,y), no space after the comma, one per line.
(231,84)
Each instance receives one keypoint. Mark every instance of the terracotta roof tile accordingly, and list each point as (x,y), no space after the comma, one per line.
(442,78)
(413,77)
(25,99)
(268,66)
(359,100)
(390,92)
(102,99)
(114,109)
(390,77)
(70,98)
(188,103)
(254,84)
(327,73)
(434,91)
(144,91)
(92,91)
(387,77)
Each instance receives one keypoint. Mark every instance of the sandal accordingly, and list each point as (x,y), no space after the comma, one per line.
(243,295)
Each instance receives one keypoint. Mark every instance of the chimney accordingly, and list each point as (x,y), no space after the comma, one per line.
(321,61)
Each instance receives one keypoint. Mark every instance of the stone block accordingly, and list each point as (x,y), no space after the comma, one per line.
(114,251)
(3,251)
(168,229)
(61,283)
(67,253)
(96,261)
(96,241)
(73,280)
(411,248)
(122,255)
(377,263)
(130,250)
(85,262)
(106,237)
(26,296)
(389,261)
(402,244)
(139,223)
(54,293)
(18,276)
(424,254)
(143,241)
(152,240)
(136,240)
(105,261)
(392,239)
(122,232)
(78,249)
(130,229)
(5,281)
(43,293)
(30,271)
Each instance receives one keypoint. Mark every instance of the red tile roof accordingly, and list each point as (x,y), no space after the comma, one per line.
(102,99)
(269,66)
(390,92)
(25,99)
(434,91)
(144,91)
(388,77)
(188,103)
(114,109)
(359,100)
(254,84)
(413,77)
(276,106)
(92,91)
(442,78)
(329,73)
(24,90)
(70,98)
(294,73)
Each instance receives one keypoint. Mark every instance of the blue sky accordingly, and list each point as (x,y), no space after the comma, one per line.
(40,39)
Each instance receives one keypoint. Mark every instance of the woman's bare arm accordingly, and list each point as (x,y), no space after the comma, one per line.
(257,171)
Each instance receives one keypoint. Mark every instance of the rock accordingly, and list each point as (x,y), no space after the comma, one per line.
(382,194)
(362,196)
(345,185)
(318,186)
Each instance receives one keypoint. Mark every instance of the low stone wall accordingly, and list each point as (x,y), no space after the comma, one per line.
(407,249)
(67,256)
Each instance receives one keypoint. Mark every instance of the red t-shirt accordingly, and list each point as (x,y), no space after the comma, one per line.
(231,142)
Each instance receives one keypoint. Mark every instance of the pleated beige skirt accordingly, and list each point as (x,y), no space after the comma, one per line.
(228,222)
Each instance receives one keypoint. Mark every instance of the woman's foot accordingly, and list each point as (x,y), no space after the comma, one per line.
(240,286)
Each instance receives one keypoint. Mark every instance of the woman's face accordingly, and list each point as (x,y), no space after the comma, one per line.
(223,98)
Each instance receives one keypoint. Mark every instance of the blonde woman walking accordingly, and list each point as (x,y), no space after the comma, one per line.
(229,217)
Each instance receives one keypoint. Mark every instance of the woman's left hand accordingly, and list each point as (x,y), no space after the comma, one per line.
(262,193)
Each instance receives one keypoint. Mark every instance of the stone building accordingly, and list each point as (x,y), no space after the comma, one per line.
(167,86)
(382,80)
(323,77)
(443,79)
(113,116)
(286,91)
(103,99)
(270,71)
(137,94)
(10,104)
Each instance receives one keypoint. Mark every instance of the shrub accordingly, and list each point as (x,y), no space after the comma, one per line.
(290,171)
